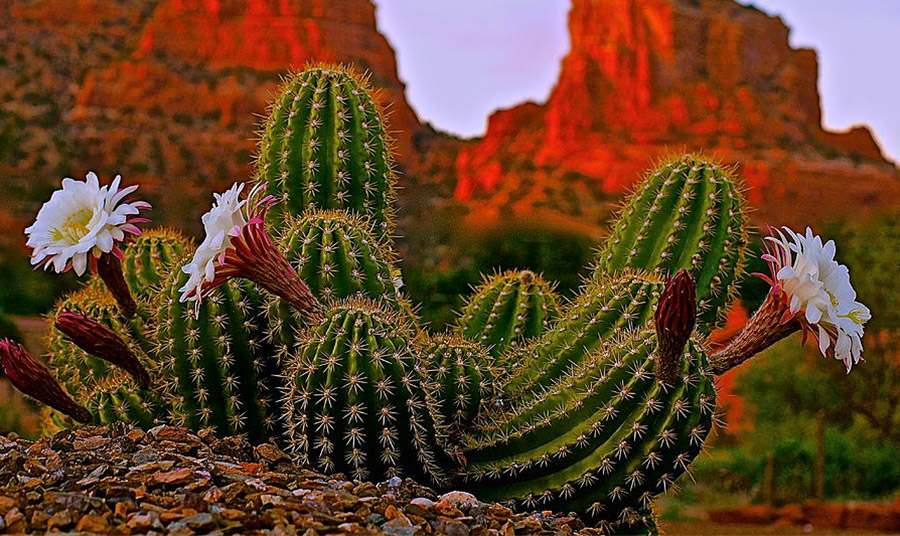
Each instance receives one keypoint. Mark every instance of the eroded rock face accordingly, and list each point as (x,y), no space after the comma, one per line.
(168,93)
(648,77)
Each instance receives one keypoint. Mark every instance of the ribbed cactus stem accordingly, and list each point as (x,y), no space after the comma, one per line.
(675,316)
(100,341)
(109,268)
(688,213)
(35,380)
(768,325)
(324,145)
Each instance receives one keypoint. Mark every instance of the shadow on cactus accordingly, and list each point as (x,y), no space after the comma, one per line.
(292,327)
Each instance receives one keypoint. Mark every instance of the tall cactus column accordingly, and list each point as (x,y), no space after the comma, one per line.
(324,145)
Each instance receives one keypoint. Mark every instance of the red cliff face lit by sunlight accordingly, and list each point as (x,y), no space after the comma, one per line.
(647,77)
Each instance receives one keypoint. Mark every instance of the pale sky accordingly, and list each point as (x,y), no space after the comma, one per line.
(462,59)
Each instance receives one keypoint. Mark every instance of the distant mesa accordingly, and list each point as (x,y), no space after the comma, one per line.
(169,93)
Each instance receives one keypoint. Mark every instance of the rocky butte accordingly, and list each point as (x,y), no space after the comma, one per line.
(648,77)
(168,93)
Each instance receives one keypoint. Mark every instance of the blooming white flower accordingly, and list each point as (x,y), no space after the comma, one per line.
(222,223)
(818,292)
(82,221)
(237,245)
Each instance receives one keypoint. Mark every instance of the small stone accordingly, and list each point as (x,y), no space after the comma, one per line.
(459,498)
(92,524)
(90,443)
(395,482)
(6,504)
(270,452)
(60,520)
(200,522)
(176,476)
(144,520)
(451,528)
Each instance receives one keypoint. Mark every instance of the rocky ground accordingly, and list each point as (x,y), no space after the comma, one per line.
(121,480)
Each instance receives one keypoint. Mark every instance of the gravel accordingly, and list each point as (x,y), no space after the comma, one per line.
(121,480)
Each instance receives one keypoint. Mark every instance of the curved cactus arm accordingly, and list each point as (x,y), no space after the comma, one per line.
(687,214)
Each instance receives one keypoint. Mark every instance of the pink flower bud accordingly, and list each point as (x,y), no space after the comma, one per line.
(102,342)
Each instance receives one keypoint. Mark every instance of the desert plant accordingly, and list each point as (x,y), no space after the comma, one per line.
(688,213)
(461,376)
(324,145)
(508,308)
(355,401)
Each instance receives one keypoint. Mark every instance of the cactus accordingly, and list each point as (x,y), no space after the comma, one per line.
(604,440)
(687,214)
(150,257)
(354,400)
(324,145)
(602,310)
(508,308)
(461,376)
(218,372)
(118,398)
(337,254)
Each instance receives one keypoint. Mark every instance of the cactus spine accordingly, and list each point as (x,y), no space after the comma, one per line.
(354,400)
(687,214)
(508,308)
(461,377)
(324,145)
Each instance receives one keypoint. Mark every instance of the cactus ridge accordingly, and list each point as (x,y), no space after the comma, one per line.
(218,373)
(604,440)
(508,308)
(149,258)
(461,376)
(354,401)
(338,255)
(324,144)
(118,398)
(602,310)
(689,214)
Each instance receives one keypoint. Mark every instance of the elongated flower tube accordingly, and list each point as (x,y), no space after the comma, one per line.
(82,225)
(810,292)
(675,317)
(102,342)
(34,379)
(237,245)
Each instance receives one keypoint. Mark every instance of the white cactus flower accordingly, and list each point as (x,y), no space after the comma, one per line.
(221,224)
(81,222)
(818,292)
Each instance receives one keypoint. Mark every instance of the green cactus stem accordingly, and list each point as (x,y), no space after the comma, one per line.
(602,310)
(508,308)
(218,371)
(608,437)
(118,398)
(149,258)
(461,376)
(689,214)
(338,255)
(355,403)
(324,145)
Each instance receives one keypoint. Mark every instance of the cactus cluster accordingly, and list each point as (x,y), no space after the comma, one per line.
(595,406)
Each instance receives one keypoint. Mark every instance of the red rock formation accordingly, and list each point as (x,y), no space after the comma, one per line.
(646,77)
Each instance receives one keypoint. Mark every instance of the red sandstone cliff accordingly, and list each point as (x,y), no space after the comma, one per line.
(645,77)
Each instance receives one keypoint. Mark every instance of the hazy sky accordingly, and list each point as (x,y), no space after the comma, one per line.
(462,59)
